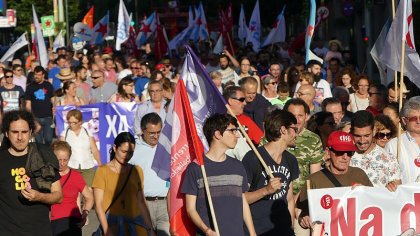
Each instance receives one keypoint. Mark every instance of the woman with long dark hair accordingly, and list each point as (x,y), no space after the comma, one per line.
(118,191)
(125,91)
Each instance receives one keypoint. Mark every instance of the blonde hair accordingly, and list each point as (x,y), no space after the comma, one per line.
(307,76)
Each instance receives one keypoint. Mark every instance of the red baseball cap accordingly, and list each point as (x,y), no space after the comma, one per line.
(341,141)
(159,66)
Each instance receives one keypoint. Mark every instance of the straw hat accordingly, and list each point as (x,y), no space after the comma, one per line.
(336,42)
(65,74)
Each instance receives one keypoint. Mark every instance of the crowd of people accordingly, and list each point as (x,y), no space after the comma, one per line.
(324,122)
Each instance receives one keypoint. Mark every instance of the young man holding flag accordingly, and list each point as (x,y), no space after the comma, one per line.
(227,182)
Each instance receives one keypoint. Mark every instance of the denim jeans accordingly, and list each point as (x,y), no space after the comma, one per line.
(45,134)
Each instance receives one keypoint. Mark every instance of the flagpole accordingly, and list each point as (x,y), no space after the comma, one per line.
(251,144)
(395,72)
(29,46)
(402,75)
(206,186)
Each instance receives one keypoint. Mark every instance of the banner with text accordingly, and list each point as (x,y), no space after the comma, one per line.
(366,210)
(104,120)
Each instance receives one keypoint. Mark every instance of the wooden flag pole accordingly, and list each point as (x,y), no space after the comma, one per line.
(29,46)
(251,144)
(401,80)
(395,72)
(206,186)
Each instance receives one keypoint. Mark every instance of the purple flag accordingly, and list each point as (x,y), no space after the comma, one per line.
(205,100)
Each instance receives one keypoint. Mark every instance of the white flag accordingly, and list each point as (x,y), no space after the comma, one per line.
(254,29)
(123,28)
(377,48)
(18,44)
(278,32)
(58,41)
(39,40)
(402,31)
(242,29)
(218,48)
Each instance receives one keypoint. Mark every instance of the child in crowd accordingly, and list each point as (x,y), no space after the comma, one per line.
(284,95)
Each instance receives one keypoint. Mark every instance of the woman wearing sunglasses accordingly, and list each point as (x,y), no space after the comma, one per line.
(385,130)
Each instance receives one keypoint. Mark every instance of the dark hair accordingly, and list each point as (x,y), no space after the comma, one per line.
(297,102)
(224,55)
(38,69)
(61,56)
(341,73)
(7,71)
(386,123)
(317,120)
(393,106)
(380,88)
(274,121)
(150,118)
(119,140)
(78,69)
(282,87)
(230,92)
(15,66)
(311,63)
(12,116)
(125,81)
(360,77)
(329,101)
(217,122)
(122,62)
(362,119)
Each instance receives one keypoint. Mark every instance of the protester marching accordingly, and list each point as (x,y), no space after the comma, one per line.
(238,130)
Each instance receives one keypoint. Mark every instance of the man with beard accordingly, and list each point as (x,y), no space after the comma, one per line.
(271,199)
(228,74)
(383,170)
(322,87)
(82,87)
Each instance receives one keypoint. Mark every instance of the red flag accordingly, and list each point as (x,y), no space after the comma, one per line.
(225,26)
(161,46)
(185,149)
(130,44)
(88,19)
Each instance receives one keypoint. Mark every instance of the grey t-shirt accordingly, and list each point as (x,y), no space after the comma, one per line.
(227,181)
(102,94)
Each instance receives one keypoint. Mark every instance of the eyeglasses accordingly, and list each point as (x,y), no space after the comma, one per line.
(341,153)
(73,123)
(155,91)
(413,118)
(151,134)
(233,130)
(168,65)
(362,85)
(19,70)
(383,135)
(135,68)
(273,83)
(302,94)
(373,93)
(8,76)
(95,77)
(296,129)
(240,99)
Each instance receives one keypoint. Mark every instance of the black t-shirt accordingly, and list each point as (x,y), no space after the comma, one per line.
(257,110)
(40,96)
(270,214)
(18,216)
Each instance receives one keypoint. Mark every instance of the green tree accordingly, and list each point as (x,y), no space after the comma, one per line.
(42,8)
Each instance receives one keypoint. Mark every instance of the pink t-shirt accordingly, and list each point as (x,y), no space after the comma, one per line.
(68,207)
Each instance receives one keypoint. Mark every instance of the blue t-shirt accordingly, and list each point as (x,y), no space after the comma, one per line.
(56,82)
(271,214)
(227,181)
(140,82)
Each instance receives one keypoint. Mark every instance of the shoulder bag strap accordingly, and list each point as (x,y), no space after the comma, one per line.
(68,177)
(331,177)
(122,189)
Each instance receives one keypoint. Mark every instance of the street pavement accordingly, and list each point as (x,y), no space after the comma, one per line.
(93,224)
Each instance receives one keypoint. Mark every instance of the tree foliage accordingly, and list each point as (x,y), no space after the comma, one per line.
(42,8)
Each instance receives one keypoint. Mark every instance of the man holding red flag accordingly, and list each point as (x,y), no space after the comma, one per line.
(227,181)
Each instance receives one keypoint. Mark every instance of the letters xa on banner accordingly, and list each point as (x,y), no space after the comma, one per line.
(103,120)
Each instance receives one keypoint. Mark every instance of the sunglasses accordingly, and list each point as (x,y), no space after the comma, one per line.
(273,83)
(240,99)
(135,68)
(383,135)
(341,153)
(95,77)
(413,118)
(8,76)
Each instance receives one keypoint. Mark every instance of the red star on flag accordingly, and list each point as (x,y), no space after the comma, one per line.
(310,30)
(48,23)
(145,28)
(275,24)
(102,29)
(252,28)
(82,31)
(199,22)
